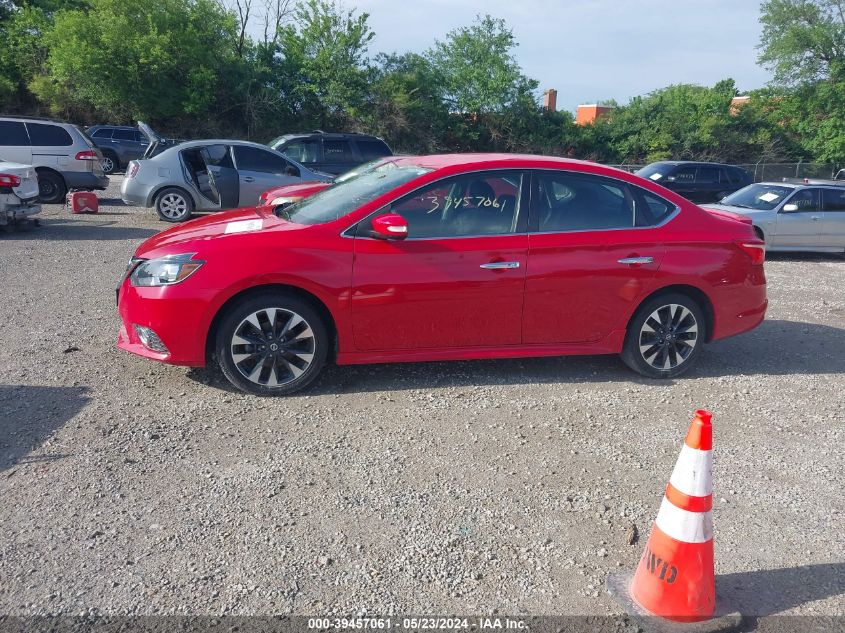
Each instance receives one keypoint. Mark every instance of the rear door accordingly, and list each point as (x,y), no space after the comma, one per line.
(833,220)
(260,170)
(14,143)
(595,246)
(803,227)
(222,186)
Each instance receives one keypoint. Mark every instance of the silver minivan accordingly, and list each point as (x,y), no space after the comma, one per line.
(64,156)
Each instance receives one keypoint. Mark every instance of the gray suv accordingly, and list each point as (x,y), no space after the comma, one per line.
(64,157)
(122,143)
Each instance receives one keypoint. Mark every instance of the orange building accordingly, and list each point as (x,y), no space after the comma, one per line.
(591,112)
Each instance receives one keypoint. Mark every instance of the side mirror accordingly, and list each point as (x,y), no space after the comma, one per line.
(788,208)
(390,226)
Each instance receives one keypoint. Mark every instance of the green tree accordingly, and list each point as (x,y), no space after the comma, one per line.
(128,59)
(324,67)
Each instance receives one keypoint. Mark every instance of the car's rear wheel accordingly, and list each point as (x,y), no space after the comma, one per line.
(272,344)
(665,336)
(51,187)
(110,163)
(174,205)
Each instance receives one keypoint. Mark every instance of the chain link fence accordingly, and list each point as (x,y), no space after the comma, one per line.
(773,171)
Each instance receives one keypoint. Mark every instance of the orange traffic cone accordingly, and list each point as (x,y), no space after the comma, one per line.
(675,577)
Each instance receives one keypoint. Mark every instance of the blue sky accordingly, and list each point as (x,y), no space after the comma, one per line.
(594,49)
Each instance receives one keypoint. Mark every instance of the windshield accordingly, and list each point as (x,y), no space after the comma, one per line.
(342,198)
(655,171)
(760,197)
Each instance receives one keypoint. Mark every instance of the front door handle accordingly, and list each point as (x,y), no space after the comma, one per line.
(636,261)
(815,218)
(500,265)
(248,179)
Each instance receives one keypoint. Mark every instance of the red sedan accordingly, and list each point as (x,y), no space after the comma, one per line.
(447,257)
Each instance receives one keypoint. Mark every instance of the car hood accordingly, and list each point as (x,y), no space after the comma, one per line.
(226,225)
(299,190)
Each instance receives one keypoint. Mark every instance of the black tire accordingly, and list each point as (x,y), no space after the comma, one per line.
(110,163)
(299,358)
(51,187)
(666,351)
(174,205)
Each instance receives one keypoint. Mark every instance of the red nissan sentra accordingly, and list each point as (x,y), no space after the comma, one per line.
(446,257)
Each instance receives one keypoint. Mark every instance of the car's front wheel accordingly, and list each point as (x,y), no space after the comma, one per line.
(272,344)
(174,205)
(665,336)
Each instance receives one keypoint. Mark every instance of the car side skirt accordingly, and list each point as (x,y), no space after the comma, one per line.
(611,344)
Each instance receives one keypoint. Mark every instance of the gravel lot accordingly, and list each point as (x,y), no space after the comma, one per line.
(130,487)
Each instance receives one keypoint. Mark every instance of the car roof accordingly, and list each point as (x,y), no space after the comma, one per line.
(518,161)
(115,127)
(39,119)
(831,184)
(694,162)
(361,135)
(219,141)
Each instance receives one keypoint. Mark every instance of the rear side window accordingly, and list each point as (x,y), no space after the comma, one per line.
(124,135)
(568,201)
(46,135)
(13,133)
(806,200)
(338,152)
(650,209)
(103,132)
(371,149)
(833,199)
(708,175)
(683,174)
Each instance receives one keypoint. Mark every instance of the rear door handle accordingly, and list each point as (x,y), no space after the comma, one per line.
(815,218)
(500,265)
(636,261)
(248,179)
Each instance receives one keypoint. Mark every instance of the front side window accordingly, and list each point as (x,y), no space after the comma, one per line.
(708,175)
(342,198)
(480,203)
(303,152)
(372,148)
(805,200)
(254,159)
(46,135)
(683,174)
(833,199)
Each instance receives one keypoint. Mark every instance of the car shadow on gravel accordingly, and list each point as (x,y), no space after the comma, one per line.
(771,591)
(29,415)
(64,230)
(775,348)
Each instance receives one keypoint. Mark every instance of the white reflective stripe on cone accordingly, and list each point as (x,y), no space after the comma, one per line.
(692,474)
(684,526)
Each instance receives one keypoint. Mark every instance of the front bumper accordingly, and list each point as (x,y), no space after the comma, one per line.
(85,180)
(179,320)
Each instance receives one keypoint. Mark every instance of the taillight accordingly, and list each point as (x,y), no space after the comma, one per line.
(755,250)
(9,180)
(133,169)
(87,155)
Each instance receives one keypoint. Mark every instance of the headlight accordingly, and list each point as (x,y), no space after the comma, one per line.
(165,271)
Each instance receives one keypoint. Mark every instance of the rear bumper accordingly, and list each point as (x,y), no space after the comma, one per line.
(134,194)
(85,180)
(15,209)
(741,307)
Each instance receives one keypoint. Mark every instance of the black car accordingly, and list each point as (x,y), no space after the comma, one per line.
(331,153)
(697,182)
(122,143)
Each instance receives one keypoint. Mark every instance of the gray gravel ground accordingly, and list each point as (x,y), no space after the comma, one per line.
(130,487)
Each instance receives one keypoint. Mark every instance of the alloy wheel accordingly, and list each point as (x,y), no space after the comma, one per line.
(108,164)
(668,336)
(273,347)
(173,206)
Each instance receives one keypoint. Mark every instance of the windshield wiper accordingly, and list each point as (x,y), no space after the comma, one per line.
(736,204)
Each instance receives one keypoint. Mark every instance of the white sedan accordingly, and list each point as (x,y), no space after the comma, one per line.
(18,193)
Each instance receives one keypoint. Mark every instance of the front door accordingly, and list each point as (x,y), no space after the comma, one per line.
(457,280)
(260,170)
(595,247)
(801,227)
